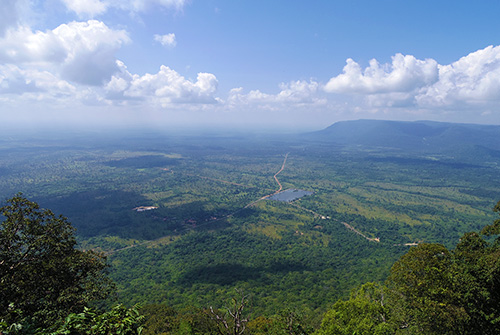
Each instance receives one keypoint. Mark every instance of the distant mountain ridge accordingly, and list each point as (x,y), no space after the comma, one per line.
(415,135)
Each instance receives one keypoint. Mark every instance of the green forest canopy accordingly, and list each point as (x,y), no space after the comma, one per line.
(48,284)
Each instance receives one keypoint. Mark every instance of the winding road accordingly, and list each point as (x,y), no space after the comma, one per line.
(275,178)
(277,173)
(348,226)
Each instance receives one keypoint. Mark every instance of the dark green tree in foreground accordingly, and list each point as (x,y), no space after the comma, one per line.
(430,290)
(118,321)
(43,277)
(365,313)
(452,292)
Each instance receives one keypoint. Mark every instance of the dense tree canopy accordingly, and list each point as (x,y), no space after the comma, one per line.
(364,313)
(43,277)
(118,321)
(430,290)
(46,285)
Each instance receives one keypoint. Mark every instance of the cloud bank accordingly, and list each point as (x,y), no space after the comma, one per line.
(82,52)
(406,85)
(473,80)
(77,60)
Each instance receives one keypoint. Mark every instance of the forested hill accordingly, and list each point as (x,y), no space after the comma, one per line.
(417,135)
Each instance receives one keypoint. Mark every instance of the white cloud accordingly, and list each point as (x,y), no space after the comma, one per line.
(86,7)
(404,74)
(10,13)
(90,50)
(473,80)
(167,40)
(164,88)
(78,59)
(298,92)
(81,52)
(119,83)
(142,5)
(24,46)
(13,80)
(33,83)
(295,93)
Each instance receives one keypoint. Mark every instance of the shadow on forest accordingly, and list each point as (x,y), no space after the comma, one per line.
(98,212)
(245,213)
(228,274)
(106,212)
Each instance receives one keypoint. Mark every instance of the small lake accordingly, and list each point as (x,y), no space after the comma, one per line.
(290,195)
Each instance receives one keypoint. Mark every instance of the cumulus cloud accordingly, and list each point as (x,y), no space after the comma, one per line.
(472,80)
(32,82)
(78,59)
(13,80)
(90,50)
(86,7)
(82,52)
(10,12)
(298,92)
(167,40)
(293,93)
(405,73)
(165,87)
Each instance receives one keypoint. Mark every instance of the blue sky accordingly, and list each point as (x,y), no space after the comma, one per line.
(265,64)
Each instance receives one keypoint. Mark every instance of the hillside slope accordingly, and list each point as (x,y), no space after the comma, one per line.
(417,135)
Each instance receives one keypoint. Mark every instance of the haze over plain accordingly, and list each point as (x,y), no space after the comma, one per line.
(246,64)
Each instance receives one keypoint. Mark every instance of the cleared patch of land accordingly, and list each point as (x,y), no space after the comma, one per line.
(289,195)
